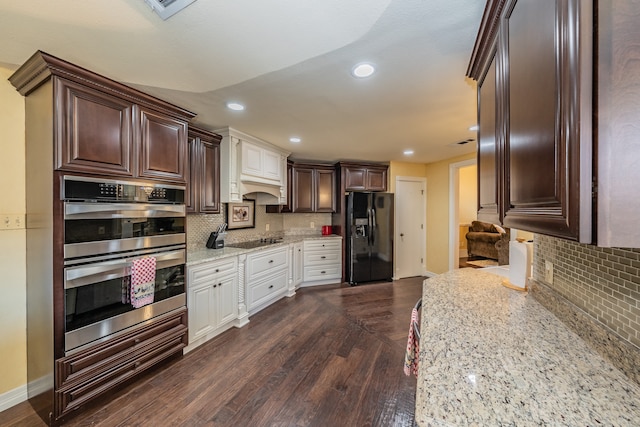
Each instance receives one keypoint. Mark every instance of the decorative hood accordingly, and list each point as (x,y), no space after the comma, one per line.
(251,168)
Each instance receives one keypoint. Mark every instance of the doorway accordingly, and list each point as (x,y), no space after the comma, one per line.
(410,227)
(463,201)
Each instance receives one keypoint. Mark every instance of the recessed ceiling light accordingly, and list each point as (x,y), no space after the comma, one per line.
(235,106)
(474,128)
(407,152)
(363,70)
(295,139)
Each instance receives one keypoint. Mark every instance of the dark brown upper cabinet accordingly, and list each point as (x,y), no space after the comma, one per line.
(203,186)
(565,125)
(364,177)
(102,127)
(96,131)
(313,188)
(163,148)
(530,116)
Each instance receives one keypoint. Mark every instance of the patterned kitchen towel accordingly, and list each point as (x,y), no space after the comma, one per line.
(143,280)
(413,347)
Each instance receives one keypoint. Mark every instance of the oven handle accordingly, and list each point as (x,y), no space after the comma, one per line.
(77,210)
(106,270)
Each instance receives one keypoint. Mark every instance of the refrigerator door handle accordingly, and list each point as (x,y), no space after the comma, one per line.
(374,226)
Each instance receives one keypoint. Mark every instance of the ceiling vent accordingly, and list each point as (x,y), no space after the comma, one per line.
(167,8)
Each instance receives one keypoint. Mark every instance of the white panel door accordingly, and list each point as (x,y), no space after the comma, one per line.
(410,234)
(272,165)
(252,160)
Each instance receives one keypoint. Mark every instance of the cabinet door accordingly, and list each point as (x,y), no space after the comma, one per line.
(325,190)
(488,150)
(303,189)
(226,300)
(95,131)
(376,180)
(355,179)
(210,177)
(163,147)
(202,312)
(252,160)
(544,149)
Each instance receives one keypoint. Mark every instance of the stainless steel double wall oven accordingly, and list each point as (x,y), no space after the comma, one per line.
(107,225)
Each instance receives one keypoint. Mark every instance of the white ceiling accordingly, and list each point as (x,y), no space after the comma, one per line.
(288,61)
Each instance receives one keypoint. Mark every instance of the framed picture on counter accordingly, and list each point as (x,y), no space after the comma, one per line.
(241,214)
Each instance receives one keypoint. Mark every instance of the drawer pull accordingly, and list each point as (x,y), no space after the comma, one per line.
(323,272)
(270,261)
(270,287)
(323,257)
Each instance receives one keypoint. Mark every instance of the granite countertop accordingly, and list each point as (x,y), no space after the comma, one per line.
(203,254)
(494,356)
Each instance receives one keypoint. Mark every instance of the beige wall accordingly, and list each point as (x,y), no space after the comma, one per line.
(13,369)
(438,213)
(468,196)
(404,169)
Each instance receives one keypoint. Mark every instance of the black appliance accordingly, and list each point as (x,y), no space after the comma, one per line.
(107,225)
(369,235)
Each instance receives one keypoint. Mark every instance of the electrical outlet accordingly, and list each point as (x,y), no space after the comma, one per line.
(548,272)
(312,224)
(266,227)
(11,221)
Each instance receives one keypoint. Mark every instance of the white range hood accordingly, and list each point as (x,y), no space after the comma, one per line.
(252,169)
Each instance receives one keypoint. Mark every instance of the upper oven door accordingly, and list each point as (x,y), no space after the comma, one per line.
(100,228)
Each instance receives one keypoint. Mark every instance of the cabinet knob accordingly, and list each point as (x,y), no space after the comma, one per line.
(136,341)
(135,365)
(215,286)
(323,245)
(270,286)
(220,284)
(217,270)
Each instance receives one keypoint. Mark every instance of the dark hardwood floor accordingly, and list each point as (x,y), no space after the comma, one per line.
(330,356)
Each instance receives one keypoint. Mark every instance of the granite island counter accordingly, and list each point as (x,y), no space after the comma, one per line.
(494,356)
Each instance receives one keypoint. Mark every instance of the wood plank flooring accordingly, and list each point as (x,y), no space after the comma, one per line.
(330,356)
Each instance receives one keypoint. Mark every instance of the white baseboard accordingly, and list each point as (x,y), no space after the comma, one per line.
(13,397)
(430,273)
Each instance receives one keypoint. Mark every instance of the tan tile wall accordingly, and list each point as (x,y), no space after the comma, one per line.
(199,226)
(604,282)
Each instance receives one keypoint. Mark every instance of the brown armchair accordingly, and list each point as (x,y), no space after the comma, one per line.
(488,241)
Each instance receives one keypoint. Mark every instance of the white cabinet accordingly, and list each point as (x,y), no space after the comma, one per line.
(322,261)
(267,273)
(212,299)
(297,265)
(251,166)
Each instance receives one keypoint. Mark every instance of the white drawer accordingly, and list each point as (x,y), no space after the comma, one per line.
(260,292)
(263,262)
(323,244)
(212,270)
(322,257)
(323,272)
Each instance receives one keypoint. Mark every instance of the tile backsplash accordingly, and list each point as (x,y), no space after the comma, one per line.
(199,226)
(604,282)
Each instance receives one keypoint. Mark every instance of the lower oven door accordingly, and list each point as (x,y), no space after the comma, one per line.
(96,304)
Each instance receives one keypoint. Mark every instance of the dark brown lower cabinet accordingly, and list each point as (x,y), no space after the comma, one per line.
(91,372)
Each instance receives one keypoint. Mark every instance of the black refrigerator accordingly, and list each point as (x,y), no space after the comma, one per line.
(369,235)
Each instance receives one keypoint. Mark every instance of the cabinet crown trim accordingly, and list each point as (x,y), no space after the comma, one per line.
(486,38)
(41,66)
